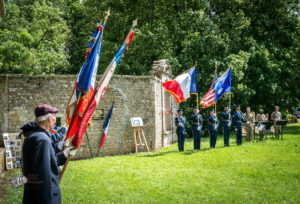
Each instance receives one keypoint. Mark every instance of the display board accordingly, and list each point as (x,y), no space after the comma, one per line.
(12,143)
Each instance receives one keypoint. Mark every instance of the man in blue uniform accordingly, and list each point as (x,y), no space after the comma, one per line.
(180,123)
(196,127)
(213,125)
(39,161)
(226,123)
(238,120)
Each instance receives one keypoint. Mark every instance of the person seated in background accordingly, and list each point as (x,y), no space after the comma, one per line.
(260,117)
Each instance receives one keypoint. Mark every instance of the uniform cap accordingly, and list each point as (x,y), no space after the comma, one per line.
(226,106)
(212,110)
(44,109)
(261,110)
(195,107)
(248,108)
(237,106)
(180,110)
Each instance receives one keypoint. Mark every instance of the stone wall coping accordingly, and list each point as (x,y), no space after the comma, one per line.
(71,75)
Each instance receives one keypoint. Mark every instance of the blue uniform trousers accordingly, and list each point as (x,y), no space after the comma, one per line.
(181,138)
(197,137)
(213,138)
(239,136)
(226,134)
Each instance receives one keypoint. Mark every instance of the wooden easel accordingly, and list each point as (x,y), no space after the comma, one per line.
(137,132)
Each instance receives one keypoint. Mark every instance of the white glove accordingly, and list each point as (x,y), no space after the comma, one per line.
(180,125)
(229,110)
(198,128)
(70,152)
(66,143)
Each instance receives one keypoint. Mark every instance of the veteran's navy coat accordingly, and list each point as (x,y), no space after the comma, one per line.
(39,166)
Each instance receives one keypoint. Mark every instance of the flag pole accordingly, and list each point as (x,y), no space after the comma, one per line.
(216,101)
(73,116)
(198,109)
(88,140)
(98,151)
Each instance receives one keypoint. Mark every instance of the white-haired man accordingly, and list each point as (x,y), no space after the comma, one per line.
(39,161)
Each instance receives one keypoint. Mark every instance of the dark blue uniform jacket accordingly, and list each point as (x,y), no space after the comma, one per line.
(238,120)
(39,166)
(212,120)
(180,129)
(194,118)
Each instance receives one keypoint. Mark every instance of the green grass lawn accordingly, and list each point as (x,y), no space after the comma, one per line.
(267,172)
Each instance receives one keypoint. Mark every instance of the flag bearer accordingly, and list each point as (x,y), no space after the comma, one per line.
(180,123)
(226,123)
(213,124)
(196,127)
(40,163)
(238,120)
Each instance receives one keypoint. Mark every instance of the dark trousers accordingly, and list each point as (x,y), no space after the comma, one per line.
(239,136)
(181,138)
(212,138)
(226,135)
(197,137)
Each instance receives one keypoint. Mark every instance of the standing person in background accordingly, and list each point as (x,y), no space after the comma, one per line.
(260,117)
(238,120)
(180,123)
(275,116)
(226,123)
(196,127)
(249,124)
(213,125)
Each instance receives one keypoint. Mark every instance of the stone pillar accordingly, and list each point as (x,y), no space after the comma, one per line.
(162,70)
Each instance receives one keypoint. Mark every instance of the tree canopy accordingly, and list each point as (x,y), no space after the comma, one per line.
(258,38)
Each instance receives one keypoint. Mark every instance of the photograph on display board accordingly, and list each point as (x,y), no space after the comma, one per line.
(13,146)
(8,154)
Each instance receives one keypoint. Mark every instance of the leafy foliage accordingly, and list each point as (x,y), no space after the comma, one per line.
(259,39)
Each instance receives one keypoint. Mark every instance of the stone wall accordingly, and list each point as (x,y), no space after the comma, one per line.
(133,96)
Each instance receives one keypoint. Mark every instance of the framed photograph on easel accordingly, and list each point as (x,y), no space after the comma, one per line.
(136,122)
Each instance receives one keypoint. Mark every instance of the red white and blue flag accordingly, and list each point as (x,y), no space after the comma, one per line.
(183,85)
(210,96)
(106,126)
(85,83)
(100,90)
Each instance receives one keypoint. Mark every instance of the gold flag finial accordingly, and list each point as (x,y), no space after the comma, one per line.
(107,14)
(134,23)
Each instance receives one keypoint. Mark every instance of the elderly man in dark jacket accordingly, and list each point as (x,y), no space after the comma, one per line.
(40,163)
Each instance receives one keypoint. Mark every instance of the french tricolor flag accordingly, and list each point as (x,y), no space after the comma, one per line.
(106,125)
(183,85)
